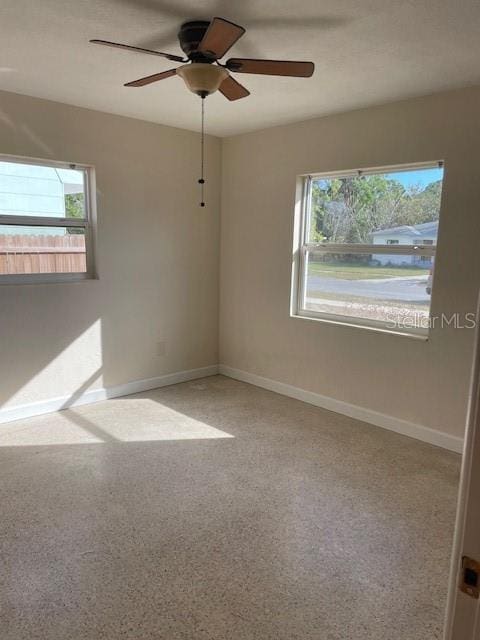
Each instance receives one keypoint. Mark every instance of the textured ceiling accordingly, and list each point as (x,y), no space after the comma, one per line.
(366,52)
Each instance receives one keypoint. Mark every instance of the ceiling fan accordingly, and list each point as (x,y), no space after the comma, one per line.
(204,43)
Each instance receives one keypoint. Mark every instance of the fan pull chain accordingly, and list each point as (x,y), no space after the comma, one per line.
(202,157)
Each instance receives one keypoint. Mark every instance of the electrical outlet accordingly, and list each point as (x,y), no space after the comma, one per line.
(161,348)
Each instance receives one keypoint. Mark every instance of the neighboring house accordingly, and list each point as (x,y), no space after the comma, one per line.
(36,191)
(425,233)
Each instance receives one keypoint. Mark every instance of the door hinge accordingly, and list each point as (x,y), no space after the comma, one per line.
(470,577)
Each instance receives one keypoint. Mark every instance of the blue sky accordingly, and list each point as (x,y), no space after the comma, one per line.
(420,177)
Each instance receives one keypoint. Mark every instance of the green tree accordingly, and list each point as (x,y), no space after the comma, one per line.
(74,208)
(74,205)
(350,209)
(422,205)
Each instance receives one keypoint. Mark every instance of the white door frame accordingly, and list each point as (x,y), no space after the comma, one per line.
(463,611)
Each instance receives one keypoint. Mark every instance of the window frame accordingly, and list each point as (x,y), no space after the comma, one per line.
(301,248)
(88,223)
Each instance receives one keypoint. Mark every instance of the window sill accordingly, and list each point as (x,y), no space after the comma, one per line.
(45,278)
(421,335)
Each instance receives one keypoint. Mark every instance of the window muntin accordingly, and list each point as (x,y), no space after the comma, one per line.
(46,218)
(367,246)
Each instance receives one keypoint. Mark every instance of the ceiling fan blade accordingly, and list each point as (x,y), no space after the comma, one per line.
(232,89)
(271,67)
(141,82)
(128,47)
(220,36)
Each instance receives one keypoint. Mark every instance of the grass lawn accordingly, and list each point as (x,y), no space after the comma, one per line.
(347,271)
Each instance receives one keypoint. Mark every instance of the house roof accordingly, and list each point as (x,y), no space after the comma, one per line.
(417,230)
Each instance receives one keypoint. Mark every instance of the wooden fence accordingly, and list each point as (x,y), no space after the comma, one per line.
(42,254)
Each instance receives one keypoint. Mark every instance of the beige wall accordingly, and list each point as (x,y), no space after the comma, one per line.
(422,382)
(157,258)
(61,338)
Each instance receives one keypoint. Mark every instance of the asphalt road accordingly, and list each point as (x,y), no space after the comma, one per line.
(409,289)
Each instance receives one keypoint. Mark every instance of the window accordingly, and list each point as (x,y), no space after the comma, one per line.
(365,247)
(46,221)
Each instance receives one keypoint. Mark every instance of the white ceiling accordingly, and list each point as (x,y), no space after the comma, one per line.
(366,52)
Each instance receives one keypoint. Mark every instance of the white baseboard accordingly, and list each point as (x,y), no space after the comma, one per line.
(418,431)
(8,414)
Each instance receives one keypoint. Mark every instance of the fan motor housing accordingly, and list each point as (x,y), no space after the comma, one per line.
(190,36)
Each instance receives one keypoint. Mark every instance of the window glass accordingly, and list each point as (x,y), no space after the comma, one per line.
(45,220)
(369,247)
(42,250)
(355,286)
(398,207)
(32,190)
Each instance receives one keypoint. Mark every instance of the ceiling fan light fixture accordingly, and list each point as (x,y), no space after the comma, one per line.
(202,78)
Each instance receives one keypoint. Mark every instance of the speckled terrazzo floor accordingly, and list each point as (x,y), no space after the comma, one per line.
(215,510)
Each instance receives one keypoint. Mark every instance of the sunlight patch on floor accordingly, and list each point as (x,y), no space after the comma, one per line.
(113,421)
